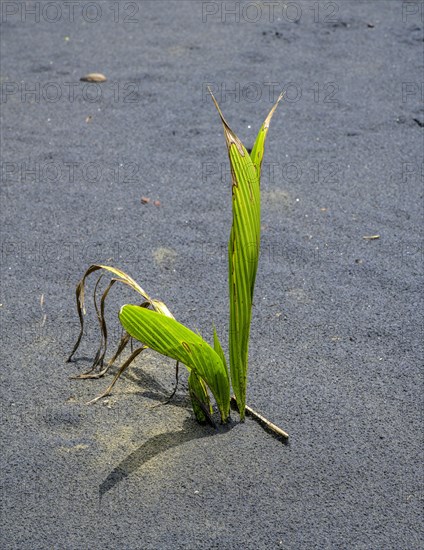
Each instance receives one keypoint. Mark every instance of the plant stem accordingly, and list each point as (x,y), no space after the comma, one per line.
(264,422)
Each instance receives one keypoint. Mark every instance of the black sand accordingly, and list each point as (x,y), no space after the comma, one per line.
(336,345)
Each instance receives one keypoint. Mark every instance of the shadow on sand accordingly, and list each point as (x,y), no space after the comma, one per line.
(155,446)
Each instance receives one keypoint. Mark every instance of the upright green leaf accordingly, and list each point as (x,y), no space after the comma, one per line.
(243,248)
(171,338)
(258,149)
(199,398)
(218,348)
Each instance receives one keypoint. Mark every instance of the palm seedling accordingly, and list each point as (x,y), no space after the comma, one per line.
(153,326)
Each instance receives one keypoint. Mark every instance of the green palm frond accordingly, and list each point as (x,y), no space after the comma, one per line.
(169,337)
(243,247)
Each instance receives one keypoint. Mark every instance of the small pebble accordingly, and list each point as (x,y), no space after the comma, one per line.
(93,77)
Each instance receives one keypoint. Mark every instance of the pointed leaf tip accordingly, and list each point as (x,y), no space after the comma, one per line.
(230,136)
(272,111)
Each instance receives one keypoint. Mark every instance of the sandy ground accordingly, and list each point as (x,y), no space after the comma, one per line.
(336,348)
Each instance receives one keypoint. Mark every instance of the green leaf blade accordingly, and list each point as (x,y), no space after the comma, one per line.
(169,337)
(199,398)
(243,247)
(218,348)
(258,149)
(243,262)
